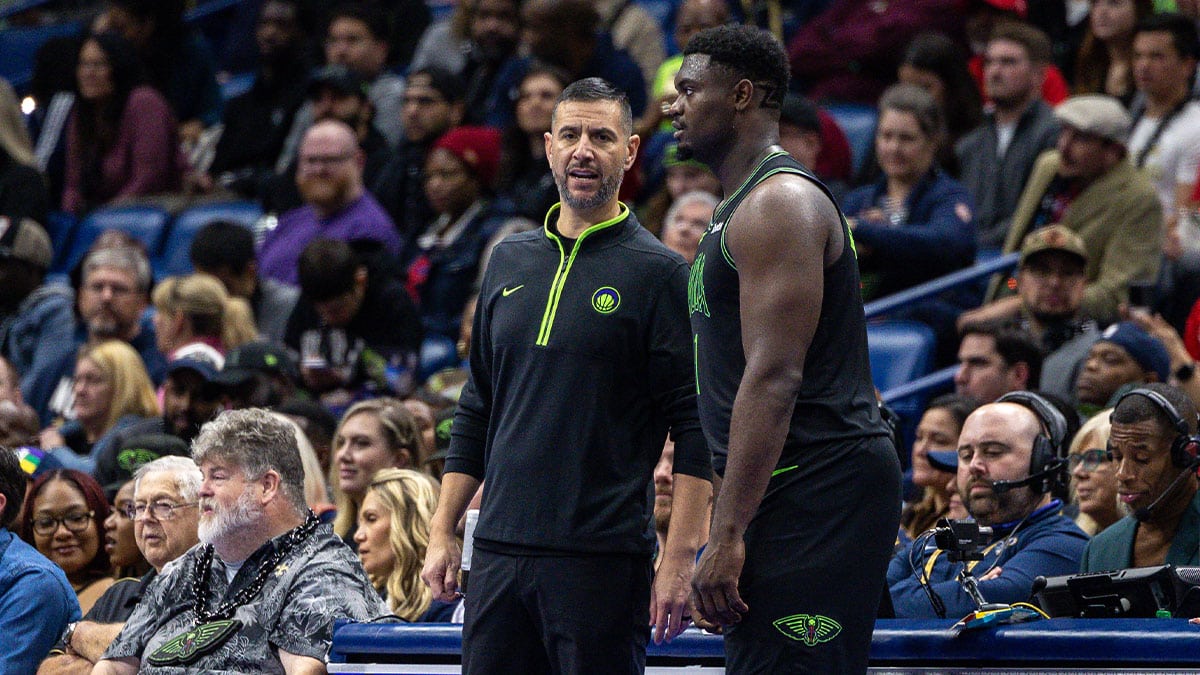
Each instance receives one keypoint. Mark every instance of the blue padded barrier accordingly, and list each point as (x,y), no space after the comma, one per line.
(898,645)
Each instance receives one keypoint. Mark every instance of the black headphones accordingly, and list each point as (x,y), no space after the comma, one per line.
(1185,446)
(1049,452)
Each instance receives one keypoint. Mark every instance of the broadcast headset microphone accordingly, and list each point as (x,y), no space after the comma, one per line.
(1002,486)
(1144,513)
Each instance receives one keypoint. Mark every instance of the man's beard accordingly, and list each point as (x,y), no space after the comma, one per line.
(225,522)
(328,194)
(106,326)
(609,186)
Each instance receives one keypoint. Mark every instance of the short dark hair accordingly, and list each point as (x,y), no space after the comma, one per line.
(327,268)
(958,406)
(800,112)
(1036,43)
(222,245)
(370,15)
(748,52)
(1013,343)
(1134,409)
(447,83)
(1182,29)
(598,89)
(12,485)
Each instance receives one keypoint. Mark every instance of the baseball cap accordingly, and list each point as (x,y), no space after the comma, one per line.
(1142,347)
(1096,114)
(1053,238)
(26,241)
(943,460)
(476,147)
(339,78)
(263,357)
(140,450)
(442,425)
(206,368)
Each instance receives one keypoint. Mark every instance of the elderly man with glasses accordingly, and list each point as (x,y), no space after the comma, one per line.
(165,520)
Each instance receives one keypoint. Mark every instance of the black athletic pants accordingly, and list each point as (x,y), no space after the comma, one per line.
(556,614)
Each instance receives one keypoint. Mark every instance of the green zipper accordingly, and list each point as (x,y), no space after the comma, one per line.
(564,267)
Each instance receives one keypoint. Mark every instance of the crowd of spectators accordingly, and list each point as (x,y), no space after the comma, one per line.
(389,154)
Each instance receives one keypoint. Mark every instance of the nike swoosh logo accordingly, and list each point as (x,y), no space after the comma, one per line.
(509,291)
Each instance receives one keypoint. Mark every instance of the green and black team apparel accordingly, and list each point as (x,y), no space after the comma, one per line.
(817,549)
(581,361)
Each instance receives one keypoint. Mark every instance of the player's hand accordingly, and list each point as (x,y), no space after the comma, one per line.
(443,559)
(669,611)
(715,584)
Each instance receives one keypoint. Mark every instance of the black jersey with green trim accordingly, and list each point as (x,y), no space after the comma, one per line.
(580,362)
(837,398)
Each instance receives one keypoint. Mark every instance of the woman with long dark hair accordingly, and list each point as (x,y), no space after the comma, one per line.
(121,139)
(524,177)
(1104,64)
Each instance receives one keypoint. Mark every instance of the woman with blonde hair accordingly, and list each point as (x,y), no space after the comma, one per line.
(112,391)
(375,434)
(195,315)
(1094,476)
(392,536)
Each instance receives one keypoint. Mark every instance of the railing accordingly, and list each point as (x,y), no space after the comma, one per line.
(939,380)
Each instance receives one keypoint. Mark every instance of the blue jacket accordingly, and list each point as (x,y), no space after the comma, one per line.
(1112,549)
(1047,544)
(37,339)
(936,238)
(36,604)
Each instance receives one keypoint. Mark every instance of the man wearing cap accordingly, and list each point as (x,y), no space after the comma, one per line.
(258,375)
(433,103)
(165,519)
(1125,356)
(190,398)
(337,206)
(1089,185)
(1030,536)
(996,158)
(37,325)
(1156,486)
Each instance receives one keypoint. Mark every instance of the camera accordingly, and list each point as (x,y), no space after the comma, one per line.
(962,539)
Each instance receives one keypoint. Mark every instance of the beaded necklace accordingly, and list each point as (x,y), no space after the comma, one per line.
(213,628)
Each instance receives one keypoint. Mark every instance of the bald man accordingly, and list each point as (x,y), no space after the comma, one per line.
(329,176)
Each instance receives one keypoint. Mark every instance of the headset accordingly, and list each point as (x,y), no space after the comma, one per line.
(1185,448)
(1047,460)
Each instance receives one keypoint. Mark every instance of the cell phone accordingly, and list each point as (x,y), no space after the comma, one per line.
(1141,296)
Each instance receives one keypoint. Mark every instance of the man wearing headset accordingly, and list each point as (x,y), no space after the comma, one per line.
(1010,455)
(1153,448)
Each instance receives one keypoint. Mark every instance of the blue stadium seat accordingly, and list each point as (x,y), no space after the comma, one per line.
(147,224)
(437,353)
(175,257)
(60,226)
(901,351)
(858,123)
(19,45)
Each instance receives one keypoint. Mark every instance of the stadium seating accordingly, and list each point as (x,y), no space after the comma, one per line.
(174,257)
(147,224)
(858,123)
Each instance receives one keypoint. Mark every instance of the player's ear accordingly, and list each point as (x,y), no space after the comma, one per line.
(743,94)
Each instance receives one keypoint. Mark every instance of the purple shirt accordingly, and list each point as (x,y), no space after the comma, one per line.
(364,218)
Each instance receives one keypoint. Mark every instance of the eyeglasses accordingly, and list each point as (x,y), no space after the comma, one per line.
(74,522)
(1090,459)
(160,510)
